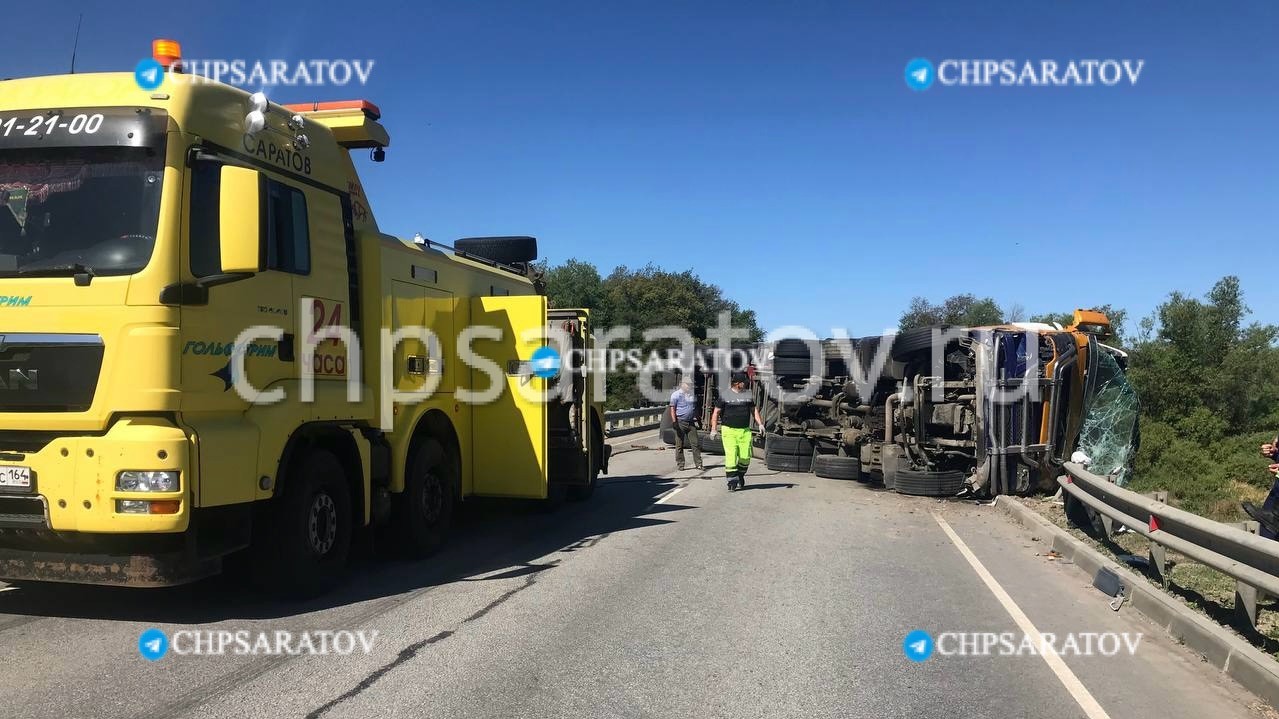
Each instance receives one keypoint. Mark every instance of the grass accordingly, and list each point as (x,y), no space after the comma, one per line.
(1210,479)
(1206,590)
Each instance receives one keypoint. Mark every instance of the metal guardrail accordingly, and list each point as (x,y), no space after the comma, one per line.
(621,421)
(1252,561)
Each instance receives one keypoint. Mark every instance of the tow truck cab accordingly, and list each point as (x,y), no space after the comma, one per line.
(141,234)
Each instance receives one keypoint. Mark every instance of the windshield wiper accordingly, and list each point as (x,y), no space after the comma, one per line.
(82,273)
(74,268)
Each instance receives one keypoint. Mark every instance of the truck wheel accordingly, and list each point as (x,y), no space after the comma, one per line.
(792,366)
(792,347)
(579,494)
(302,552)
(711,445)
(832,466)
(795,446)
(928,484)
(788,462)
(423,511)
(667,429)
(913,340)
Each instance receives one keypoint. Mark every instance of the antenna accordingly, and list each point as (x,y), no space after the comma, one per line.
(76,44)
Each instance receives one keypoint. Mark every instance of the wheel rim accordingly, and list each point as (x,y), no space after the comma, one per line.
(322,524)
(432,497)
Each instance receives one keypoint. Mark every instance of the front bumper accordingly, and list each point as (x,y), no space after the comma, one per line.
(160,569)
(73,480)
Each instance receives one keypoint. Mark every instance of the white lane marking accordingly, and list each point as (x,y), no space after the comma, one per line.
(672,493)
(1082,696)
(7,589)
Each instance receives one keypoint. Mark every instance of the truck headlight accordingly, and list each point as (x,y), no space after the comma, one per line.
(137,481)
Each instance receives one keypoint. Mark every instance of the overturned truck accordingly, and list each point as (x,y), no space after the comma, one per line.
(944,411)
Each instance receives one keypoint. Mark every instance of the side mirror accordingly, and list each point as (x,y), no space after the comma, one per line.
(239,217)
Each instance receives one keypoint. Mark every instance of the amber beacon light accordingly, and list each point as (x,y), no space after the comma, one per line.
(168,53)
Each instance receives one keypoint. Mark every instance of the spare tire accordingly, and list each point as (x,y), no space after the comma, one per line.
(929,484)
(793,446)
(788,462)
(506,250)
(833,466)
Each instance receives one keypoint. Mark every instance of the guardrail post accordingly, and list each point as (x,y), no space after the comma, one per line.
(1159,563)
(1246,602)
(1107,525)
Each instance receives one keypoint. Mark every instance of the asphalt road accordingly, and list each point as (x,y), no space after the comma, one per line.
(662,596)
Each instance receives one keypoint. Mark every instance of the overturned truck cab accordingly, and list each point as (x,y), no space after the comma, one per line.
(944,411)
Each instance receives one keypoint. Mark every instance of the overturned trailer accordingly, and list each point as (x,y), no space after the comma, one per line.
(950,410)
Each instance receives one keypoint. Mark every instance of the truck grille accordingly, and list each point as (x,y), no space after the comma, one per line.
(49,372)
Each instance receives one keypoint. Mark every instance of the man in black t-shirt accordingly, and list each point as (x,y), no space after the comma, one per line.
(735,409)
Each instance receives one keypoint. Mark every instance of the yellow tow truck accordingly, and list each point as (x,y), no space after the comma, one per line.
(208,346)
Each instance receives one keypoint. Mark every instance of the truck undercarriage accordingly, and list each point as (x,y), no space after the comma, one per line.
(933,410)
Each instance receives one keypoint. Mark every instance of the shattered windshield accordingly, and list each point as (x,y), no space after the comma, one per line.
(65,210)
(1108,436)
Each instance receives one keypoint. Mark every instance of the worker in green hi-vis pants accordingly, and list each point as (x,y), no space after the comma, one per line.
(735,409)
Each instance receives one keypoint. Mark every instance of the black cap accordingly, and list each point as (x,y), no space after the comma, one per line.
(738,378)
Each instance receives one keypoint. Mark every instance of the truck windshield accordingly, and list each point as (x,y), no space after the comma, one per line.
(69,210)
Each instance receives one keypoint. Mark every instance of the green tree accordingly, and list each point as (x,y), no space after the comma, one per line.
(1199,355)
(1118,318)
(576,284)
(965,310)
(642,299)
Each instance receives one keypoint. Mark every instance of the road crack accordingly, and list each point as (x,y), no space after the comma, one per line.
(412,650)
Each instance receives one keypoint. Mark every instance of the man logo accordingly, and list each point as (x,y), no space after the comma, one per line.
(920,74)
(20,379)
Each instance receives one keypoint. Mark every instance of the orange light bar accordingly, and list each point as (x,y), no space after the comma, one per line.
(369,108)
(166,52)
(167,506)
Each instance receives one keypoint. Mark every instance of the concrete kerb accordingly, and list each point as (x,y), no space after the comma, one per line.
(1255,670)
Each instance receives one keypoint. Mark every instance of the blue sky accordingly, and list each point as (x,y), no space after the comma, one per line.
(774,148)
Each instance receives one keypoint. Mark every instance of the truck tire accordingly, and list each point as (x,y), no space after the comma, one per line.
(421,514)
(788,462)
(711,444)
(794,446)
(792,347)
(666,429)
(928,484)
(867,349)
(583,493)
(913,340)
(792,367)
(832,466)
(506,250)
(301,550)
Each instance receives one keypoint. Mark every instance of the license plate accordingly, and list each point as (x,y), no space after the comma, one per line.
(15,477)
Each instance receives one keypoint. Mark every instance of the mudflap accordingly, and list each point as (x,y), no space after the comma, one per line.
(121,570)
